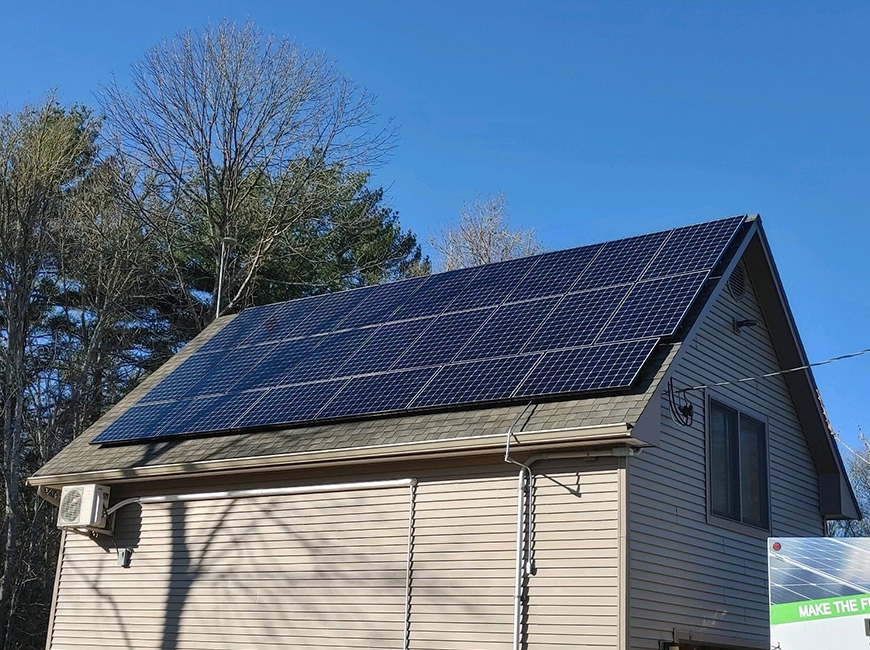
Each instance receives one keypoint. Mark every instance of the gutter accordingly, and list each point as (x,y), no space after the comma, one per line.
(593,435)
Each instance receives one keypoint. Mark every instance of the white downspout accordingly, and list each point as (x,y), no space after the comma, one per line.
(524,501)
(523,479)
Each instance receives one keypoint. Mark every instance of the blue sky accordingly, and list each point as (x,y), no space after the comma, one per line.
(598,120)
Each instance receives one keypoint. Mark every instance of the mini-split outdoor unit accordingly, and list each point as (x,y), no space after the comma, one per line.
(83,506)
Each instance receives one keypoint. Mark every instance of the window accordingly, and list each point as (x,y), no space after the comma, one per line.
(738,466)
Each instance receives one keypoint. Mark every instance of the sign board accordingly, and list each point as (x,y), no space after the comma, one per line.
(819,592)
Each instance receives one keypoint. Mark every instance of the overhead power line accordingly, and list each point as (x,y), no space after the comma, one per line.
(776,373)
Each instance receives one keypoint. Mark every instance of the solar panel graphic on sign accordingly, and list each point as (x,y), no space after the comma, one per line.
(584,319)
(807,569)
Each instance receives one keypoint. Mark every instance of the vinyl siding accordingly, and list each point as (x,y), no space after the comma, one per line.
(328,570)
(323,570)
(573,599)
(685,571)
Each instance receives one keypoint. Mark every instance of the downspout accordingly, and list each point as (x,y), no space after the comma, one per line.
(524,562)
(524,481)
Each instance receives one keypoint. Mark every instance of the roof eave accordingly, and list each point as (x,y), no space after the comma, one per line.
(522,442)
(837,499)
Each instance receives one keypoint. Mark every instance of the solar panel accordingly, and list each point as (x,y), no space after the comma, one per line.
(140,422)
(232,367)
(620,261)
(183,378)
(214,413)
(508,330)
(325,360)
(283,320)
(277,367)
(598,367)
(555,273)
(240,328)
(382,393)
(493,283)
(653,308)
(440,343)
(382,303)
(334,309)
(584,319)
(289,404)
(578,319)
(693,248)
(476,381)
(437,293)
(384,346)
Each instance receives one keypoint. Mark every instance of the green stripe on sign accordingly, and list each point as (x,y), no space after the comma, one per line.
(811,610)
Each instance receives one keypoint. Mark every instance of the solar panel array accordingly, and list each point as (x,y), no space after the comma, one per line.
(584,319)
(813,569)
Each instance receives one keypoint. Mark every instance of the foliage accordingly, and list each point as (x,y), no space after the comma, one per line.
(481,235)
(232,150)
(240,138)
(231,145)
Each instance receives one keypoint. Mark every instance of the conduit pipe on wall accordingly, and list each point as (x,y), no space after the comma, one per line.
(304,489)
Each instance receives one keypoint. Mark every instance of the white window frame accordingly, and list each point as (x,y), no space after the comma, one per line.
(721,520)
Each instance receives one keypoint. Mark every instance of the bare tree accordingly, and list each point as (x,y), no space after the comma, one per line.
(859,477)
(481,235)
(238,130)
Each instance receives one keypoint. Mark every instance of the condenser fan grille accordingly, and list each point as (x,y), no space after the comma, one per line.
(71,505)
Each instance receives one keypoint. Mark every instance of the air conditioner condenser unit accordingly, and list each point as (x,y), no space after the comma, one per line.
(83,506)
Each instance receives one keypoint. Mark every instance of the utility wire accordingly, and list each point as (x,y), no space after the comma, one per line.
(778,372)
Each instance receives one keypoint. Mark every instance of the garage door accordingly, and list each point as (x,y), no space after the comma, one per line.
(320,569)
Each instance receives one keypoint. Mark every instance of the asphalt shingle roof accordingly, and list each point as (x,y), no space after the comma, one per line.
(178,455)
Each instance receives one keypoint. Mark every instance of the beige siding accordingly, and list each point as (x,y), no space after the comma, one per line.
(685,572)
(315,570)
(574,596)
(463,562)
(328,570)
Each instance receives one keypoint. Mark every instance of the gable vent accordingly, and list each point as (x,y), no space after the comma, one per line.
(737,283)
